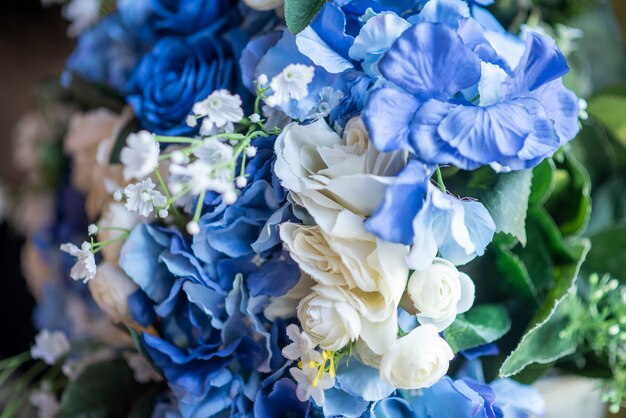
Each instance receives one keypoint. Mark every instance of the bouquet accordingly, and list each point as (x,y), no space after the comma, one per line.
(334,208)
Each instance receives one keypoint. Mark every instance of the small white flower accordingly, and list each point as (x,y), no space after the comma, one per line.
(178,157)
(140,156)
(229,197)
(92,229)
(251,151)
(45,401)
(262,80)
(241,182)
(193,228)
(255,118)
(142,198)
(82,14)
(221,108)
(329,99)
(191,121)
(163,213)
(85,267)
(582,109)
(292,83)
(310,385)
(50,346)
(301,344)
(118,195)
(199,177)
(214,152)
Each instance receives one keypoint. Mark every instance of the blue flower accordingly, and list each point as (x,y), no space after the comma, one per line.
(280,400)
(451,99)
(204,326)
(106,53)
(179,72)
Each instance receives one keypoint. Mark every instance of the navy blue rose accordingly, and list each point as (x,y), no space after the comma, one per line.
(177,73)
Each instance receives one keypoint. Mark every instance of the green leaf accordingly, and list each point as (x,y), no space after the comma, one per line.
(300,13)
(607,252)
(611,110)
(145,404)
(541,344)
(507,201)
(570,202)
(136,337)
(513,277)
(103,390)
(542,182)
(609,205)
(482,324)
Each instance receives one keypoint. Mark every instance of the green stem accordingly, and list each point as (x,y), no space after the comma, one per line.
(440,180)
(199,204)
(15,360)
(166,192)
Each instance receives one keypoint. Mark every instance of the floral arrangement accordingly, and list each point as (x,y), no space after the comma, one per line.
(333,208)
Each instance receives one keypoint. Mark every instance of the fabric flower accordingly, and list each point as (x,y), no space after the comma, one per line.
(417,360)
(142,198)
(522,117)
(140,156)
(85,267)
(371,274)
(310,385)
(50,346)
(178,73)
(300,346)
(439,293)
(220,109)
(45,401)
(291,83)
(326,173)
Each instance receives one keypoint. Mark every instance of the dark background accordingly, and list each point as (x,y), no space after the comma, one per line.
(33,44)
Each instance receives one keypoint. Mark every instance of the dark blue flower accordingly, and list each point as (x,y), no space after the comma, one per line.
(178,72)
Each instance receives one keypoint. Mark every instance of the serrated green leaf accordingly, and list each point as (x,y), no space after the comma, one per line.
(507,202)
(513,277)
(541,343)
(611,110)
(482,324)
(300,13)
(104,390)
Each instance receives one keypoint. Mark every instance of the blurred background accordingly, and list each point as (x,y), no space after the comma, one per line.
(33,47)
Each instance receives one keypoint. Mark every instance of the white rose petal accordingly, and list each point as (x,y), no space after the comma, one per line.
(439,293)
(417,360)
(110,289)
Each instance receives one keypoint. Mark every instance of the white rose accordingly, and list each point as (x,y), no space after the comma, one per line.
(110,289)
(439,293)
(417,360)
(339,181)
(373,273)
(328,317)
(285,306)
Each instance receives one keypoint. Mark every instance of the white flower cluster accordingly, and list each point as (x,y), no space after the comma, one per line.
(353,283)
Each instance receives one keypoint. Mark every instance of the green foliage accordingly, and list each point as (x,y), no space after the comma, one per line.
(105,390)
(300,13)
(481,325)
(609,109)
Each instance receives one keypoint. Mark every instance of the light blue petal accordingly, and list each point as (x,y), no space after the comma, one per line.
(517,400)
(339,403)
(447,12)
(394,408)
(377,36)
(430,60)
(362,381)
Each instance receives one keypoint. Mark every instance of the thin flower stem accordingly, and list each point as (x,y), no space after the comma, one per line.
(15,360)
(177,140)
(199,204)
(166,192)
(113,228)
(440,180)
(98,246)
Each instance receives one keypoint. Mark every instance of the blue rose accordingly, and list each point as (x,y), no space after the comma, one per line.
(178,72)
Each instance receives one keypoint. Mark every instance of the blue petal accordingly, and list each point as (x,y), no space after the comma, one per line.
(141,308)
(362,381)
(430,60)
(280,402)
(387,116)
(393,220)
(517,400)
(339,403)
(447,12)
(394,408)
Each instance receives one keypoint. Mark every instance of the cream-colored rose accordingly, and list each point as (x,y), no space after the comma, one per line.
(90,140)
(373,272)
(286,306)
(417,360)
(339,181)
(263,5)
(110,289)
(329,318)
(439,293)
(115,216)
